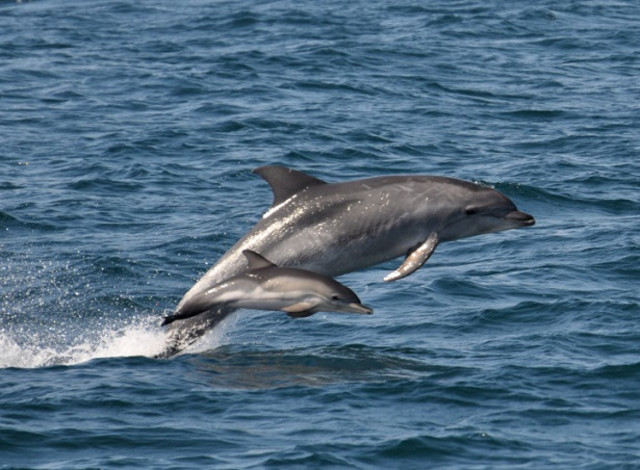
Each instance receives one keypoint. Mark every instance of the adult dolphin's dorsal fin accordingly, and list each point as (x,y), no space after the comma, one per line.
(415,259)
(257,261)
(286,182)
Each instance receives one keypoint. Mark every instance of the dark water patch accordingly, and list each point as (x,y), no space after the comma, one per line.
(520,314)
(231,368)
(535,114)
(221,109)
(463,447)
(101,184)
(306,456)
(242,19)
(9,223)
(620,372)
(583,194)
(325,86)
(621,264)
(465,287)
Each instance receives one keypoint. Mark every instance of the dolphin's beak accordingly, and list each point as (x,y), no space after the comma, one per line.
(357,308)
(520,218)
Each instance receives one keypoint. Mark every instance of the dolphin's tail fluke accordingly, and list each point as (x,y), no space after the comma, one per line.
(197,306)
(178,316)
(168,319)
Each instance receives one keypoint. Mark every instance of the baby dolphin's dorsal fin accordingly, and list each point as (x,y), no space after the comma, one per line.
(257,261)
(286,182)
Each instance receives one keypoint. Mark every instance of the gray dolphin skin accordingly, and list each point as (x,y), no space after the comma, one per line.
(265,286)
(335,228)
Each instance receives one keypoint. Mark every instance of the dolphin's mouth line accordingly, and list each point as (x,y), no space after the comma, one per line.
(360,308)
(523,218)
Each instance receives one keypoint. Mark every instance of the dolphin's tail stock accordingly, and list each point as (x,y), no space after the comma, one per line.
(183,333)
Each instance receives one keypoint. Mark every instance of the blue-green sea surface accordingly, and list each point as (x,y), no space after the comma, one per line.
(128,131)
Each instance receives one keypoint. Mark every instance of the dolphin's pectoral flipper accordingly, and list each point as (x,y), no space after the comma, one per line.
(416,258)
(298,307)
(299,310)
(303,314)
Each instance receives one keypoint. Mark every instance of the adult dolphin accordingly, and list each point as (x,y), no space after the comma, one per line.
(334,228)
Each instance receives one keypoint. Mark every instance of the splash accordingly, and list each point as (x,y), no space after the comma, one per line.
(138,337)
(67,311)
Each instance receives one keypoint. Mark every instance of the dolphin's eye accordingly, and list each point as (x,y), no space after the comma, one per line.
(471,210)
(335,297)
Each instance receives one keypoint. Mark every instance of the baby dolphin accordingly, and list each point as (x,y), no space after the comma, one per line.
(265,286)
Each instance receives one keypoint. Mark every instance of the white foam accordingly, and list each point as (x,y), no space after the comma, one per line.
(14,355)
(138,337)
(141,337)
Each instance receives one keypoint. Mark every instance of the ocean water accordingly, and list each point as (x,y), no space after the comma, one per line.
(127,134)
